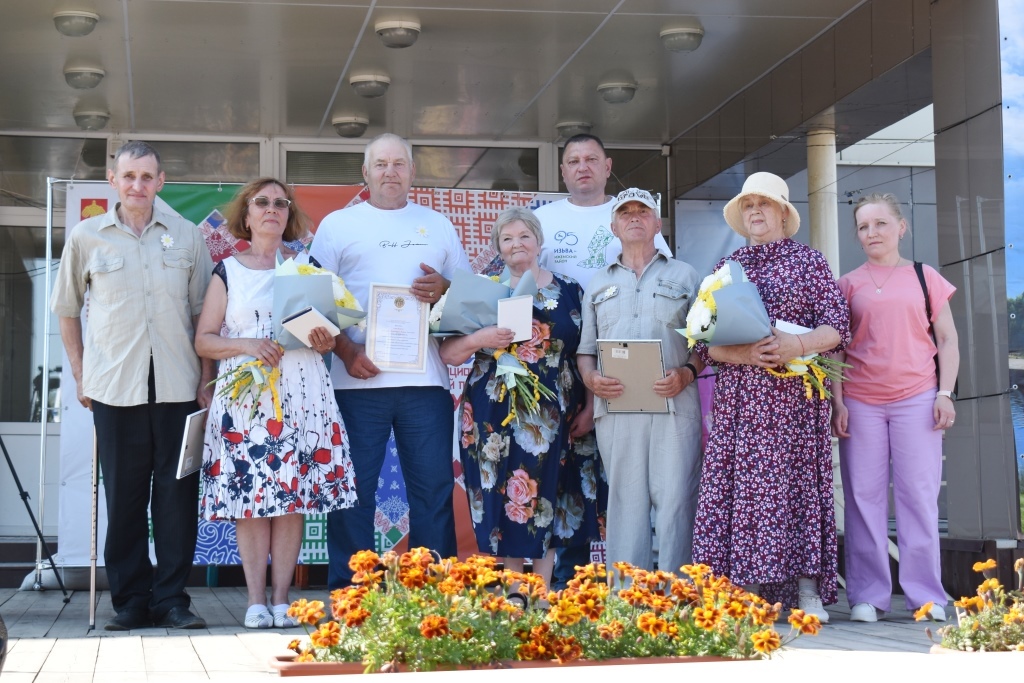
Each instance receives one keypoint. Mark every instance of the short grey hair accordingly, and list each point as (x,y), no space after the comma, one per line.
(137,149)
(511,215)
(383,137)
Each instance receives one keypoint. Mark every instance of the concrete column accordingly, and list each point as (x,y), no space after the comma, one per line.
(822,194)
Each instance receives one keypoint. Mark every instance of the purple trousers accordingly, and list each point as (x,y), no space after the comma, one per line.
(900,432)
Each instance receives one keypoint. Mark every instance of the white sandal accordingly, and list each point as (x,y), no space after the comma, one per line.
(258,616)
(281,618)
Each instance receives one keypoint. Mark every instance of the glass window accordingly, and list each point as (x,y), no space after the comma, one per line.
(480,168)
(215,162)
(26,162)
(324,168)
(22,307)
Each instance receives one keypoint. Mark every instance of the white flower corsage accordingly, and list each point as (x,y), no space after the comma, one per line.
(606,294)
(166,241)
(550,304)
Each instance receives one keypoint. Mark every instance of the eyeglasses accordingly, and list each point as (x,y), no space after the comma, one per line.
(263,202)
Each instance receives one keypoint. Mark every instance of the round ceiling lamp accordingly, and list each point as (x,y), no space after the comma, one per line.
(91,119)
(75,23)
(682,38)
(83,77)
(617,91)
(350,126)
(567,129)
(399,33)
(370,85)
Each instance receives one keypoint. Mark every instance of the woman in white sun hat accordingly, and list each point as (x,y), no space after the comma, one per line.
(765,517)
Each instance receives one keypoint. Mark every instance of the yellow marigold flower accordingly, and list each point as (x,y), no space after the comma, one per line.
(736,609)
(305,657)
(982,566)
(660,603)
(765,615)
(766,642)
(307,612)
(434,626)
(412,577)
(450,586)
(327,635)
(565,612)
(1014,616)
(612,630)
(706,617)
(364,561)
(989,585)
(807,624)
(672,630)
(649,623)
(972,604)
(924,611)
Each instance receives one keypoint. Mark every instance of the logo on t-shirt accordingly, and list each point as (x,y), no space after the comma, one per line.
(596,249)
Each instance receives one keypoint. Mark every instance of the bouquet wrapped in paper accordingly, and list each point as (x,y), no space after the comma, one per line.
(298,286)
(729,310)
(471,302)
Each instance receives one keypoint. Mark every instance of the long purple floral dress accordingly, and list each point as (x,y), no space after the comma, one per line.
(765,513)
(529,487)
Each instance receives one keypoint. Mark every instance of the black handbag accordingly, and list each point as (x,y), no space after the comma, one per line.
(919,269)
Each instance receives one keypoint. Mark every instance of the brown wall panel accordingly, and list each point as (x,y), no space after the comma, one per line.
(818,74)
(892,34)
(757,115)
(709,161)
(732,133)
(853,51)
(787,105)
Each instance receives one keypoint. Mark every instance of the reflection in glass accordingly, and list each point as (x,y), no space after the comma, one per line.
(481,168)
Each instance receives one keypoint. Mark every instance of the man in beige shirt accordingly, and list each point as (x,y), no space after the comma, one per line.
(146,272)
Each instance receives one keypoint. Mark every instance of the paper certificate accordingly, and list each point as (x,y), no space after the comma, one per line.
(396,333)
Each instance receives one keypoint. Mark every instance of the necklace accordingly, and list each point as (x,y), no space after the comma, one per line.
(878,287)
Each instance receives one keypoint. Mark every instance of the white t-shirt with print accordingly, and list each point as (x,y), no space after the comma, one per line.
(578,240)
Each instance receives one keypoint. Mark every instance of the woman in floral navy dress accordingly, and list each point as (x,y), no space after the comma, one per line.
(263,473)
(523,501)
(765,517)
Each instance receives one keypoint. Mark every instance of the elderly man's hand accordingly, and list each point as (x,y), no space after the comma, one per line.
(429,287)
(82,398)
(672,383)
(357,363)
(204,394)
(605,387)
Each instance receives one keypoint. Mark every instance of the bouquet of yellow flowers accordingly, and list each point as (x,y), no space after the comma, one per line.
(522,385)
(248,381)
(417,612)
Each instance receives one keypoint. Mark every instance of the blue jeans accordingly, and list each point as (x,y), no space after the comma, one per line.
(424,422)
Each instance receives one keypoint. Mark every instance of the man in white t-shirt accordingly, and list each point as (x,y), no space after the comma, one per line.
(389,240)
(578,240)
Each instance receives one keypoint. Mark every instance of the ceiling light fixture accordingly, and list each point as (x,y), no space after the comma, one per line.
(75,23)
(681,38)
(370,85)
(83,77)
(401,33)
(350,126)
(91,119)
(617,91)
(567,129)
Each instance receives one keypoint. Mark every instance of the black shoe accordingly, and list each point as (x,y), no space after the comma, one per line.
(129,619)
(180,617)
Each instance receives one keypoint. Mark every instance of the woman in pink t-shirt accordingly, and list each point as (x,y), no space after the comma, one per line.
(892,406)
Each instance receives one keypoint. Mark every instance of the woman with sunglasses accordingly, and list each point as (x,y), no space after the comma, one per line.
(262,473)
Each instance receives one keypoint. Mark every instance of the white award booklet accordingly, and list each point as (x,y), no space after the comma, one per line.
(191,458)
(302,323)
(516,314)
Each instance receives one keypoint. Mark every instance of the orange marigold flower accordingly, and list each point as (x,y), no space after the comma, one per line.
(685,591)
(982,566)
(766,642)
(972,604)
(696,571)
(307,612)
(565,612)
(412,577)
(590,605)
(294,646)
(807,624)
(566,649)
(327,635)
(707,617)
(368,578)
(354,618)
(305,657)
(1014,617)
(660,603)
(612,630)
(989,585)
(434,626)
(633,596)
(649,623)
(529,651)
(450,586)
(924,611)
(364,561)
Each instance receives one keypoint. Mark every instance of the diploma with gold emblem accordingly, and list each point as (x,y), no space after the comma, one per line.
(396,332)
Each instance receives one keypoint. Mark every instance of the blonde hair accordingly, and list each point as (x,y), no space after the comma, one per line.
(888,198)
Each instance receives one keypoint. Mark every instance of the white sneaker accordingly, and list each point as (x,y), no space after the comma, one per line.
(937,613)
(862,611)
(811,604)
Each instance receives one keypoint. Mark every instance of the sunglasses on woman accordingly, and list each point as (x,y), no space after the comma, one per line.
(263,202)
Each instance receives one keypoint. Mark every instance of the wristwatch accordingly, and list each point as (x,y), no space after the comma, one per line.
(947,394)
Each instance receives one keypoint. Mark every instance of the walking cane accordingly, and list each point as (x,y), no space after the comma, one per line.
(95,515)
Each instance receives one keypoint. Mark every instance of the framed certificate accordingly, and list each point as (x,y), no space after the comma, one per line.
(396,329)
(191,457)
(638,364)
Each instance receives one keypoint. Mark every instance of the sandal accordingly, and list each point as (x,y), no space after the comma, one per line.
(281,618)
(258,616)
